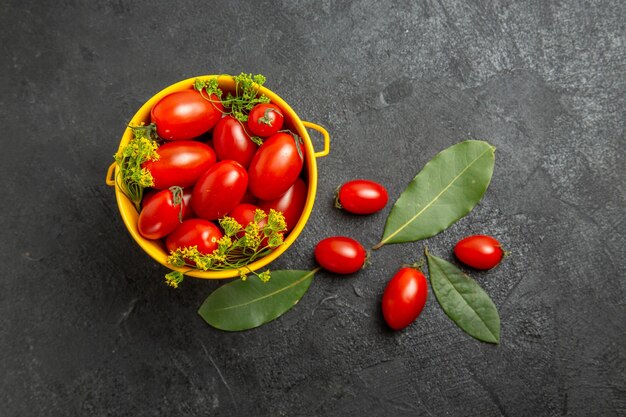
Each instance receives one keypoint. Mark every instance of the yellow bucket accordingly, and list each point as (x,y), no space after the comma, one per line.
(155,248)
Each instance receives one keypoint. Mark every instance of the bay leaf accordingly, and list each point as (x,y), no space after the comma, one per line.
(241,305)
(445,190)
(463,300)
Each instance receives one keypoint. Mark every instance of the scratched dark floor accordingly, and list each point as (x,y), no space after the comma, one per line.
(87,327)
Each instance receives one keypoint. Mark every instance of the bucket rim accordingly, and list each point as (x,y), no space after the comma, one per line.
(154,248)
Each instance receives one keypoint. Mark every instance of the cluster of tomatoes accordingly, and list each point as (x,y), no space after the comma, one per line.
(405,294)
(209,166)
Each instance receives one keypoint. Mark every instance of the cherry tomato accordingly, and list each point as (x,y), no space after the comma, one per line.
(479,251)
(232,142)
(275,166)
(194,232)
(290,204)
(187,211)
(341,255)
(404,298)
(180,163)
(185,115)
(219,190)
(265,119)
(244,214)
(161,214)
(362,197)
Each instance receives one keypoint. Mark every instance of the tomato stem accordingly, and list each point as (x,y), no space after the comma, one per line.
(337,202)
(416,265)
(177,200)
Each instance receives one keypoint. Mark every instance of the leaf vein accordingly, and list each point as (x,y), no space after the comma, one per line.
(293,284)
(412,219)
(484,323)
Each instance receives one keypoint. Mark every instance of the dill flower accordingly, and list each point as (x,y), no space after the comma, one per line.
(174,278)
(264,276)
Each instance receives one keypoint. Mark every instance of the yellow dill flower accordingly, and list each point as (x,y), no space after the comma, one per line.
(252,238)
(276,221)
(218,258)
(132,177)
(145,178)
(265,276)
(230,226)
(259,215)
(176,258)
(190,252)
(204,263)
(174,278)
(152,146)
(223,244)
(182,256)
(275,240)
(243,275)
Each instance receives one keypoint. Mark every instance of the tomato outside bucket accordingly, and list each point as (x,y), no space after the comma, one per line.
(156,249)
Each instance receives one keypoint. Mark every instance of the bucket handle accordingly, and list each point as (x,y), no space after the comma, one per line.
(109,179)
(324,133)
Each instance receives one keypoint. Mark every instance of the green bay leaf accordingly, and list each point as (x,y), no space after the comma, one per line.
(241,305)
(463,300)
(445,190)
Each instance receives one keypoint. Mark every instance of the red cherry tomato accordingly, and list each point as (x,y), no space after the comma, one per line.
(219,190)
(275,166)
(185,115)
(265,119)
(161,214)
(479,251)
(244,214)
(362,197)
(232,142)
(194,232)
(404,298)
(341,255)
(290,204)
(187,211)
(180,163)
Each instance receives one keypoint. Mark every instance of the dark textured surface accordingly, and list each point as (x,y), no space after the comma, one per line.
(87,326)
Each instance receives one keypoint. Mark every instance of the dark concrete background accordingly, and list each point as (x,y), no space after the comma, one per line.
(87,326)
